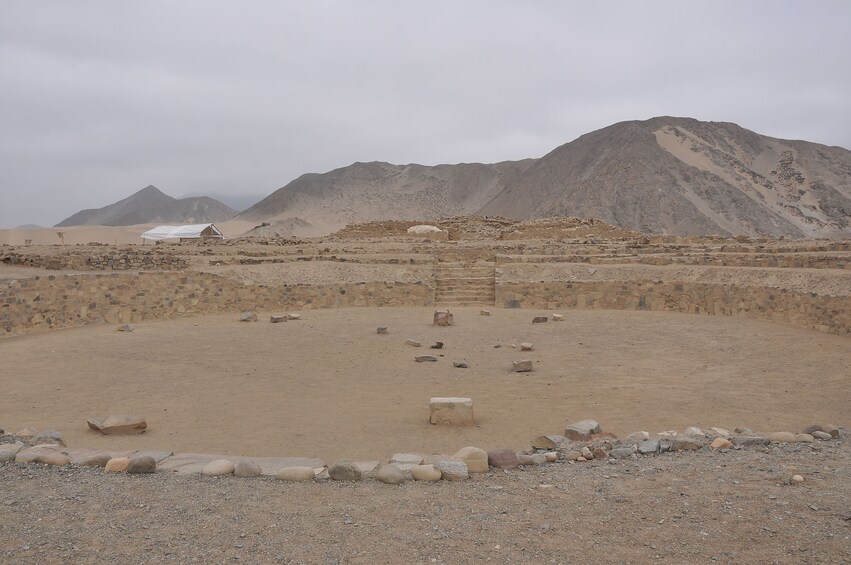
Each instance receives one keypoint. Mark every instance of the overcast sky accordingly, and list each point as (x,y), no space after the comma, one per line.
(235,99)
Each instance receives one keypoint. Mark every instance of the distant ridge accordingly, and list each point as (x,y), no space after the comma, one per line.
(150,205)
(668,175)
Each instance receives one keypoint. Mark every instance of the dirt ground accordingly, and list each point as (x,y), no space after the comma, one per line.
(329,386)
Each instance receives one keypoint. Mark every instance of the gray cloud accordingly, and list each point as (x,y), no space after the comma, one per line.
(100,99)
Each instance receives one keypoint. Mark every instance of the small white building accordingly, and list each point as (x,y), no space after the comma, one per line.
(191,232)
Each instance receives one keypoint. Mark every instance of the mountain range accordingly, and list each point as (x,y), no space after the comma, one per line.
(665,175)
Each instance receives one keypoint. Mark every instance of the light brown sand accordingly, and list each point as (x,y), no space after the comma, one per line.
(329,386)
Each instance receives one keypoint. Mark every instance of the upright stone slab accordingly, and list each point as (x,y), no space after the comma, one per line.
(453,411)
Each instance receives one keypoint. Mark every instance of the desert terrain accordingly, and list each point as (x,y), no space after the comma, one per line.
(659,333)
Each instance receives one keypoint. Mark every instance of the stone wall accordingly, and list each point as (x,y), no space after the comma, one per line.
(122,259)
(831,314)
(62,301)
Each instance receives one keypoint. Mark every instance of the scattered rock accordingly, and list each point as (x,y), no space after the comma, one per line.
(443,318)
(94,460)
(781,437)
(721,443)
(548,442)
(796,479)
(522,366)
(452,470)
(125,328)
(117,465)
(485,312)
(118,424)
(391,475)
(247,468)
(649,447)
(685,444)
(382,330)
(426,473)
(345,471)
(141,465)
(582,430)
(540,320)
(636,437)
(296,474)
(621,452)
(412,343)
(475,458)
(558,317)
(503,459)
(218,468)
(453,411)
(526,346)
(694,431)
(425,358)
(459,365)
(277,319)
(437,345)
(248,317)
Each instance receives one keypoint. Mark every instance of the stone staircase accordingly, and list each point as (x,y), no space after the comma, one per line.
(465,283)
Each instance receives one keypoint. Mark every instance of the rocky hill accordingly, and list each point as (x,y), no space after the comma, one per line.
(664,175)
(150,205)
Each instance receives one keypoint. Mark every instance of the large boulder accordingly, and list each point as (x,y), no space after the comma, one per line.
(453,411)
(118,424)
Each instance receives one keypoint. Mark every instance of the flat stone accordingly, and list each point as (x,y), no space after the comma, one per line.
(94,460)
(459,364)
(382,330)
(141,465)
(8,451)
(49,436)
(685,444)
(558,317)
(822,435)
(582,430)
(218,468)
(749,440)
(621,453)
(721,443)
(484,312)
(248,317)
(694,431)
(526,346)
(117,465)
(453,411)
(720,431)
(247,468)
(521,366)
(368,468)
(443,318)
(503,459)
(781,437)
(552,441)
(407,458)
(391,475)
(277,319)
(426,473)
(413,343)
(475,458)
(125,328)
(292,317)
(649,447)
(540,320)
(296,474)
(345,471)
(194,463)
(118,424)
(636,437)
(452,470)
(425,358)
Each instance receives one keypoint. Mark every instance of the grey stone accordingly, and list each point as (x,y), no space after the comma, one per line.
(382,330)
(218,468)
(649,446)
(540,320)
(485,312)
(526,346)
(125,328)
(248,317)
(407,459)
(118,424)
(443,318)
(459,365)
(635,437)
(425,358)
(621,452)
(345,471)
(437,345)
(749,440)
(582,430)
(548,442)
(8,451)
(522,366)
(94,460)
(277,319)
(822,435)
(49,435)
(247,468)
(140,465)
(412,343)
(391,475)
(685,444)
(453,470)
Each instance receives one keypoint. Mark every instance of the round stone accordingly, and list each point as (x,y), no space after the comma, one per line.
(141,465)
(391,475)
(218,468)
(94,460)
(247,468)
(117,465)
(345,471)
(475,458)
(426,473)
(797,479)
(296,474)
(53,458)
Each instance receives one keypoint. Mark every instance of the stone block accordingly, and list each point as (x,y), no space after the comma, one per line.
(453,411)
(443,318)
(521,366)
(582,430)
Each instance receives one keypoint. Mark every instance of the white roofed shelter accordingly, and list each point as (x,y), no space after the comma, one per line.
(184,233)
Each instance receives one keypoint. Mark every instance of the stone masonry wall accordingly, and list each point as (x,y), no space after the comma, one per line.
(112,260)
(62,301)
(830,314)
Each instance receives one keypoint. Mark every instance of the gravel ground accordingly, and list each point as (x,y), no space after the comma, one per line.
(695,507)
